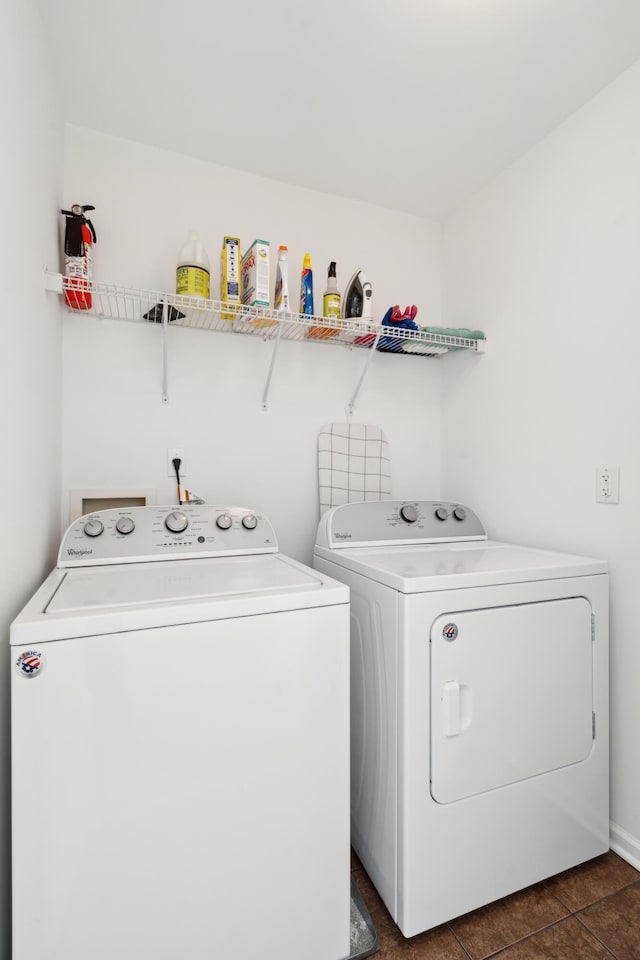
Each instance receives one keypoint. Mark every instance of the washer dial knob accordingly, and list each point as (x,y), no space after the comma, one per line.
(93,527)
(125,525)
(459,513)
(442,513)
(223,521)
(250,521)
(176,521)
(409,513)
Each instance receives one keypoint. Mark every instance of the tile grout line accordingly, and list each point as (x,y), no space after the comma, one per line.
(595,935)
(533,933)
(457,938)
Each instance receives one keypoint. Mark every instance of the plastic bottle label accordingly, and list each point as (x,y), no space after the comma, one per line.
(331,305)
(192,282)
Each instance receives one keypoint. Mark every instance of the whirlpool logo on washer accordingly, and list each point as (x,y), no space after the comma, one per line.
(30,664)
(450,631)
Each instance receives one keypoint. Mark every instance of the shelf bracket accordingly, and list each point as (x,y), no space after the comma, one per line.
(374,346)
(52,281)
(165,352)
(276,344)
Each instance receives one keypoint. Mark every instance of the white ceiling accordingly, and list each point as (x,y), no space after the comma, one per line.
(412,104)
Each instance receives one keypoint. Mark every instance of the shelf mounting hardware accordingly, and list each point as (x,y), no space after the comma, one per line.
(276,344)
(365,368)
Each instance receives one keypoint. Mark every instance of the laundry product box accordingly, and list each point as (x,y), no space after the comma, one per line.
(254,273)
(230,274)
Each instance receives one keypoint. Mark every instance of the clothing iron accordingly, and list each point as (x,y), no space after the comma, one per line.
(357,298)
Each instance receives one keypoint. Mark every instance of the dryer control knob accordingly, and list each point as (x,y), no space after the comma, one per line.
(409,513)
(223,521)
(125,525)
(176,521)
(250,521)
(93,527)
(442,513)
(459,513)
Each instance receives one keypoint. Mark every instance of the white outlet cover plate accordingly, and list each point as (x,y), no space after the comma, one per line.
(607,484)
(173,452)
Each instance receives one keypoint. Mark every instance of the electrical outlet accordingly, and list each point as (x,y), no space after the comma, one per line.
(607,484)
(172,453)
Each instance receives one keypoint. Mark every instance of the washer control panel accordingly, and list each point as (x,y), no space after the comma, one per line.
(380,522)
(137,534)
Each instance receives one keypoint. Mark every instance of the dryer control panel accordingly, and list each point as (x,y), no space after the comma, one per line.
(141,534)
(389,522)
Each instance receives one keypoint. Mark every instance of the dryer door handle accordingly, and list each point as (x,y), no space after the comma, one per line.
(451,722)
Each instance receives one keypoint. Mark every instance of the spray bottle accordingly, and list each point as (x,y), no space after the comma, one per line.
(281,301)
(192,271)
(331,301)
(79,238)
(306,287)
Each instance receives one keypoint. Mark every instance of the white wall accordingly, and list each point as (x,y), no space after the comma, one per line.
(30,357)
(547,260)
(116,430)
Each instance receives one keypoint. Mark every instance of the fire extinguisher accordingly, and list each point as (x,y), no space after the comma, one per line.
(79,237)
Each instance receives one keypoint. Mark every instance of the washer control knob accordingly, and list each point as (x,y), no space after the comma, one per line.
(250,521)
(459,513)
(125,525)
(93,527)
(176,521)
(409,513)
(223,521)
(442,513)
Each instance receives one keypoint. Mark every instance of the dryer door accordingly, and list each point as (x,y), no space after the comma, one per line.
(511,695)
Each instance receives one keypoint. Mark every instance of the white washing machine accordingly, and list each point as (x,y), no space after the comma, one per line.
(479,692)
(180,728)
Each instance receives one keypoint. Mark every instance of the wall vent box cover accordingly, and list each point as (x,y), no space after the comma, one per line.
(82,501)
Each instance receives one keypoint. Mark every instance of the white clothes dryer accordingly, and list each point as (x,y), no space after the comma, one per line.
(479,706)
(180,718)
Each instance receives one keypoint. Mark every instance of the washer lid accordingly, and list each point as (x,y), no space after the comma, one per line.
(422,568)
(140,596)
(176,581)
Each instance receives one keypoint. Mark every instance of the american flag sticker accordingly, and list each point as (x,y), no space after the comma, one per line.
(450,631)
(30,663)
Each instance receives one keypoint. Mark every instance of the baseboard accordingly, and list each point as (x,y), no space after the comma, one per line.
(625,845)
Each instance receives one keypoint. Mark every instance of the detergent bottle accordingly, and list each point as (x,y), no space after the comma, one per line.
(192,270)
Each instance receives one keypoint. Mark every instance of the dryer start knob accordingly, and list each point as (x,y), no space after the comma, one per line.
(409,513)
(223,521)
(93,527)
(459,513)
(176,521)
(250,521)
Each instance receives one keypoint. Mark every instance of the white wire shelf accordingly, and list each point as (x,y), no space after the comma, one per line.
(112,301)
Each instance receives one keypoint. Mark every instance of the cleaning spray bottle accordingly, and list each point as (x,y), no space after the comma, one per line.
(281,301)
(331,306)
(332,301)
(192,271)
(306,287)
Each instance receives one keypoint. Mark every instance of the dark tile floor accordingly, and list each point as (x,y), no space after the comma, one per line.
(589,913)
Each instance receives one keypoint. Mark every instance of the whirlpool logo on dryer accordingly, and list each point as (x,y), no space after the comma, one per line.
(344,536)
(74,552)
